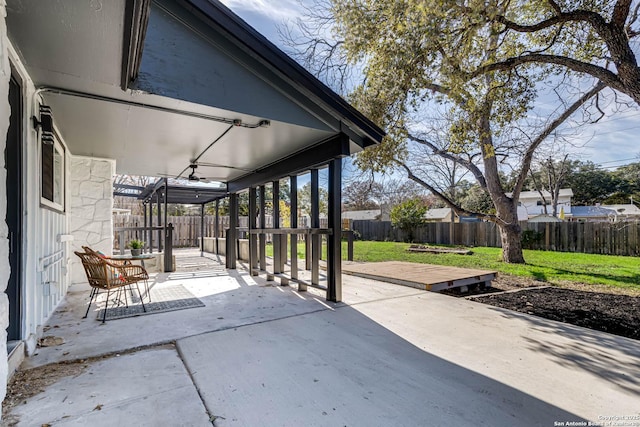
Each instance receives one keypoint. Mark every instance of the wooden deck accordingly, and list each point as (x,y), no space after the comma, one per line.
(421,276)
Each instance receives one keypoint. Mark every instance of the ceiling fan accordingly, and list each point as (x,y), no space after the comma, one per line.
(196,178)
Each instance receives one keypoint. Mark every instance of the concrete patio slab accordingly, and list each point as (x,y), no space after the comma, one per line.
(231,298)
(423,359)
(146,388)
(263,354)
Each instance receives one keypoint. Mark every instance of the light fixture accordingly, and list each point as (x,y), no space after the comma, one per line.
(45,124)
(264,123)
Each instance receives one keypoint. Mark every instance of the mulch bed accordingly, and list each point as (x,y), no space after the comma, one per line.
(613,313)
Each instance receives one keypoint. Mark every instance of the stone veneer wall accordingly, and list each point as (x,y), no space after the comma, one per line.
(91,204)
(5,74)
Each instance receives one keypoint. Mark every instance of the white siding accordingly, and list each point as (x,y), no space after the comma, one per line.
(5,74)
(45,272)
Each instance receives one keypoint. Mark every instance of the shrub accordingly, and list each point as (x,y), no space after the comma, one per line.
(408,215)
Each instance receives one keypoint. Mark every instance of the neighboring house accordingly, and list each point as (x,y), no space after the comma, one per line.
(544,218)
(625,212)
(371,214)
(439,215)
(531,204)
(120,211)
(91,89)
(592,213)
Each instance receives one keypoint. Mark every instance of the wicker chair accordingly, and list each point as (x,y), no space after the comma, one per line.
(136,276)
(107,276)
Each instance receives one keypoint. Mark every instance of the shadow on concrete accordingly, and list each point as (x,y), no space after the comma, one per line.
(340,368)
(588,355)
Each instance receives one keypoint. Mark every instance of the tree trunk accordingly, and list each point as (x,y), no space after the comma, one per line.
(511,243)
(510,230)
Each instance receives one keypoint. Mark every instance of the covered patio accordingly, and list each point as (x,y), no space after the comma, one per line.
(261,354)
(182,90)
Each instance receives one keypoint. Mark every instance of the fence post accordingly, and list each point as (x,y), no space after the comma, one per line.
(121,241)
(168,249)
(349,245)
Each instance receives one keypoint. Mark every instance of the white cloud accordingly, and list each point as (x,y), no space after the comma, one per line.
(283,10)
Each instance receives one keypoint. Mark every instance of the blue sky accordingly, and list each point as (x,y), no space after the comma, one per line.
(613,141)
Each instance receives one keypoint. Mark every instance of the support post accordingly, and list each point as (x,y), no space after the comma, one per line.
(293,197)
(277,247)
(307,251)
(202,230)
(159,221)
(334,244)
(216,232)
(262,239)
(233,231)
(150,204)
(144,232)
(315,223)
(166,208)
(168,249)
(253,239)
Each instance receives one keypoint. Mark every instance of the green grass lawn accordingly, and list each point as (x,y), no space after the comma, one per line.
(552,267)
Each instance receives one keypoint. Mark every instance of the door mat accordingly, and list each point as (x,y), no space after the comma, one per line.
(169,298)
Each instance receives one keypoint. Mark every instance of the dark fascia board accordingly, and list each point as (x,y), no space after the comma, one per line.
(136,17)
(223,20)
(128,186)
(310,158)
(119,194)
(180,194)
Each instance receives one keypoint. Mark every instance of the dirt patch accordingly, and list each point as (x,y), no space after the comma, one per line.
(30,382)
(617,313)
(439,250)
(27,383)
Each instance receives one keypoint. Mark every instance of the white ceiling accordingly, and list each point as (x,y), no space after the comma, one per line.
(78,45)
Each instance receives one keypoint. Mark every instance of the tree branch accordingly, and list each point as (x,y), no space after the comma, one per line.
(592,18)
(459,210)
(477,173)
(526,161)
(602,74)
(620,12)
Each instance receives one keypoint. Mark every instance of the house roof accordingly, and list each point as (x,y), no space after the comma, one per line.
(439,213)
(544,218)
(564,192)
(626,210)
(158,84)
(363,214)
(591,212)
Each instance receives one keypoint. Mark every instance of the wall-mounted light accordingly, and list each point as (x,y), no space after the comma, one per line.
(45,124)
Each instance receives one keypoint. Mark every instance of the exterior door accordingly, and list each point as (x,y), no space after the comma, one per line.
(13,164)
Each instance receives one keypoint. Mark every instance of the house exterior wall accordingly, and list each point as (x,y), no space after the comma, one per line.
(45,251)
(531,205)
(5,75)
(91,202)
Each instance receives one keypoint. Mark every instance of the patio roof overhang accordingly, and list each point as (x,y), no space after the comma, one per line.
(157,85)
(182,192)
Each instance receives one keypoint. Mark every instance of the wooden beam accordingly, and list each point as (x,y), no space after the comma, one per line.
(334,243)
(334,147)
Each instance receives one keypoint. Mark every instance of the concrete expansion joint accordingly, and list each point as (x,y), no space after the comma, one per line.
(383,299)
(182,357)
(169,344)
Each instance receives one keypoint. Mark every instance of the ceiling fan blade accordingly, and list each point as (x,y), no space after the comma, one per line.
(216,165)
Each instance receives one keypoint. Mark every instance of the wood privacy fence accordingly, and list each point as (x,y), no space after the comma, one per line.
(622,238)
(186,228)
